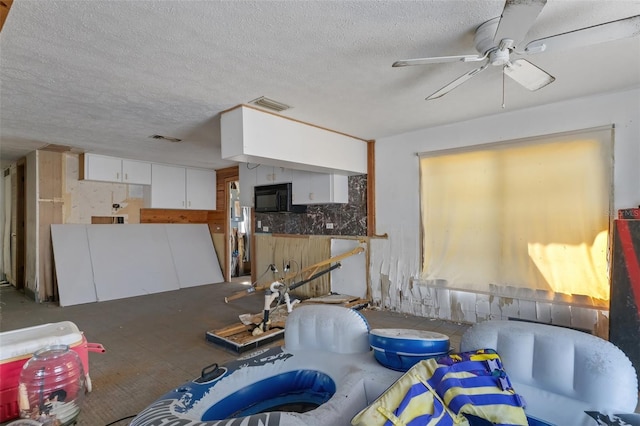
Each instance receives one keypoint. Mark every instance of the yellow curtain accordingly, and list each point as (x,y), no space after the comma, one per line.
(533,214)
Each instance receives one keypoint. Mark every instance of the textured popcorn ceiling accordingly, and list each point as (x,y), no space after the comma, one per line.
(102,76)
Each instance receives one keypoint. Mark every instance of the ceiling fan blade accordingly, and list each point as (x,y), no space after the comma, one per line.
(517,18)
(609,31)
(528,75)
(455,83)
(438,60)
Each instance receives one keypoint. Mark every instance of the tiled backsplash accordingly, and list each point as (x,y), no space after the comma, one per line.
(347,219)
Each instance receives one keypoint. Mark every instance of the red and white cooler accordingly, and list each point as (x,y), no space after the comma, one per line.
(17,347)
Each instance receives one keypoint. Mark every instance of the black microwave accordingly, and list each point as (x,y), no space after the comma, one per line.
(275,198)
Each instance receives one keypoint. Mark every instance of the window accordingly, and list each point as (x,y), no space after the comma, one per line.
(532,214)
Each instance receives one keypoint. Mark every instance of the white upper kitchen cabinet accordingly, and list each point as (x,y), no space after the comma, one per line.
(101,168)
(175,187)
(319,188)
(252,175)
(247,177)
(136,172)
(201,189)
(113,169)
(168,186)
(268,175)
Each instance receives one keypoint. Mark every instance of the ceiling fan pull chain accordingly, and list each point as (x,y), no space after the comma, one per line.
(503,86)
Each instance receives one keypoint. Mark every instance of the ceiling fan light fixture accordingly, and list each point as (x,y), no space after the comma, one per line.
(270,104)
(498,58)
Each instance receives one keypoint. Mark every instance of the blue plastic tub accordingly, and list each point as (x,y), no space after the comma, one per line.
(400,349)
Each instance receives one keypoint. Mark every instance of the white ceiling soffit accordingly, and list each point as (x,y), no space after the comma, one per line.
(102,76)
(251,135)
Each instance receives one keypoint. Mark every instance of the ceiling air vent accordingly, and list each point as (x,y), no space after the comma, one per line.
(166,138)
(269,104)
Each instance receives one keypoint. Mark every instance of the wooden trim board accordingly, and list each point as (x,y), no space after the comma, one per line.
(239,339)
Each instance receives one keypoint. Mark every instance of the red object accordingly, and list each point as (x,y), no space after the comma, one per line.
(631,259)
(624,311)
(19,345)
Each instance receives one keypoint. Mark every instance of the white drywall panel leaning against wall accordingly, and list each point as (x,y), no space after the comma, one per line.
(131,260)
(351,278)
(106,262)
(72,258)
(193,254)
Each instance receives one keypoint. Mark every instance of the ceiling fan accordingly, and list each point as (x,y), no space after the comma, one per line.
(498,39)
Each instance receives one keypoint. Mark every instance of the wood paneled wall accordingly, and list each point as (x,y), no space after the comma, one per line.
(214,218)
(5,5)
(50,206)
(297,251)
(173,216)
(223,177)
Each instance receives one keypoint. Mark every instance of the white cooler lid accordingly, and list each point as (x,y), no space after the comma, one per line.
(25,341)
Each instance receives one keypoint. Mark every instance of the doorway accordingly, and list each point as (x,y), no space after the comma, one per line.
(14,243)
(20,226)
(239,246)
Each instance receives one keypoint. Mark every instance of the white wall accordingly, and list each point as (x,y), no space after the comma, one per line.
(396,260)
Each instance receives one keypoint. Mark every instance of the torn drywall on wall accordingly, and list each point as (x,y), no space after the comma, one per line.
(483,307)
(421,301)
(390,263)
(462,306)
(385,285)
(395,285)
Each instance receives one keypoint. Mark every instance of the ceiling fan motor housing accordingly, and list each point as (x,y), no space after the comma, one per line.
(483,38)
(486,45)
